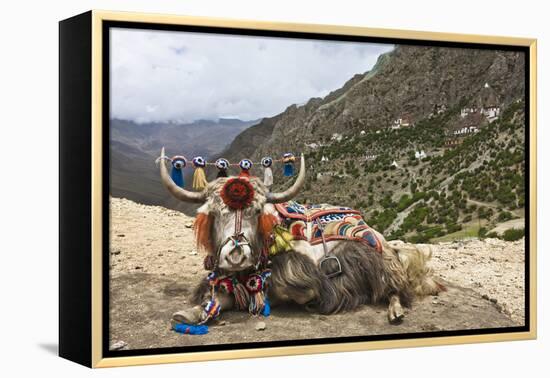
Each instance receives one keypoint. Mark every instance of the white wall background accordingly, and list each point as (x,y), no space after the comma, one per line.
(28,253)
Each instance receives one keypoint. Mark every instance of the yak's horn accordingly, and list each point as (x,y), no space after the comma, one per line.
(294,189)
(179,193)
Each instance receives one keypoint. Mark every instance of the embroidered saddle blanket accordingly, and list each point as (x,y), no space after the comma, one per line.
(312,222)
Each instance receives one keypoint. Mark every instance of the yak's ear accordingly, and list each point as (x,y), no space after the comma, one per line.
(203,231)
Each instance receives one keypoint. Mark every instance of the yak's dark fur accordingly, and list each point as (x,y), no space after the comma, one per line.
(365,279)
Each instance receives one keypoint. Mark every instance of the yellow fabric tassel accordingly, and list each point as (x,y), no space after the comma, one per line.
(282,241)
(199,179)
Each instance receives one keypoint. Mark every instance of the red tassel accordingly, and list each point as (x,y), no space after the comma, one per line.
(203,228)
(266,222)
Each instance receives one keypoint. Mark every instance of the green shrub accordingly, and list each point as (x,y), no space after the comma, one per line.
(482,232)
(419,238)
(453,228)
(503,216)
(513,234)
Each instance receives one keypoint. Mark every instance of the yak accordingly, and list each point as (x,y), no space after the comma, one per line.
(235,226)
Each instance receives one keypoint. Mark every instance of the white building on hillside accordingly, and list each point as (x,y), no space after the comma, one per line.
(468,110)
(400,122)
(420,155)
(466,130)
(337,137)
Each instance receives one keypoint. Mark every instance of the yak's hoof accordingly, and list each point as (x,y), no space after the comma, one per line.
(188,316)
(395,312)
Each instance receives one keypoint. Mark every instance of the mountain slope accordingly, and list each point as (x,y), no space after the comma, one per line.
(425,89)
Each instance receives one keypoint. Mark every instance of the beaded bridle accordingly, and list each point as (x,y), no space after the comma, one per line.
(249,291)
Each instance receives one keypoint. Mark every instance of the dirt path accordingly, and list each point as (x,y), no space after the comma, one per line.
(154,266)
(513,223)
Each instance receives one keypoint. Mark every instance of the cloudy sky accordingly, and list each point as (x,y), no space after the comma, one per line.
(180,76)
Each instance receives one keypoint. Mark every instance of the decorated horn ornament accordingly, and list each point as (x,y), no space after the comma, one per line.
(294,189)
(176,191)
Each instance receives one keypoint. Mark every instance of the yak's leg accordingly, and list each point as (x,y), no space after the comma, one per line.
(395,310)
(197,314)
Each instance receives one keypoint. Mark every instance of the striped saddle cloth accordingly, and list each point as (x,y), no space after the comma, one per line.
(312,222)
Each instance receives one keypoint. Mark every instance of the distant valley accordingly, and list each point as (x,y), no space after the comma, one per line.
(135,146)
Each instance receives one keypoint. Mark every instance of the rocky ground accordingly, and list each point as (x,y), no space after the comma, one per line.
(154,266)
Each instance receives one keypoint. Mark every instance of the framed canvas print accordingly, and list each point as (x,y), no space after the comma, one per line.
(235,189)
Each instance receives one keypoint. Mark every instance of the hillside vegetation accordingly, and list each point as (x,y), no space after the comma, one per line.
(474,186)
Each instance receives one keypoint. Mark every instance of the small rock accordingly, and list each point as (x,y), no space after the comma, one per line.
(189,225)
(119,345)
(260,326)
(139,267)
(193,253)
(121,235)
(117,252)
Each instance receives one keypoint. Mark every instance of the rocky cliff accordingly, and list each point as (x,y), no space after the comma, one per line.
(409,81)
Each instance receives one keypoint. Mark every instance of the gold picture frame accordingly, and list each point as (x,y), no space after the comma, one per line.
(91,26)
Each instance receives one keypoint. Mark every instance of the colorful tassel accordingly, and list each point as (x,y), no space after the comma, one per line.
(190,329)
(199,177)
(242,297)
(222,165)
(257,303)
(212,309)
(282,240)
(288,161)
(268,173)
(178,163)
(267,308)
(268,177)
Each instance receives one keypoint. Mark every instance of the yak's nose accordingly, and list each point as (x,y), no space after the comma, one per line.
(235,257)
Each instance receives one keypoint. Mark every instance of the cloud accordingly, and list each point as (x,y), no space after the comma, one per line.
(181,76)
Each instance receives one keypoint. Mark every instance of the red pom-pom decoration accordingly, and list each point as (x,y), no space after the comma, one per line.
(237,193)
(254,283)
